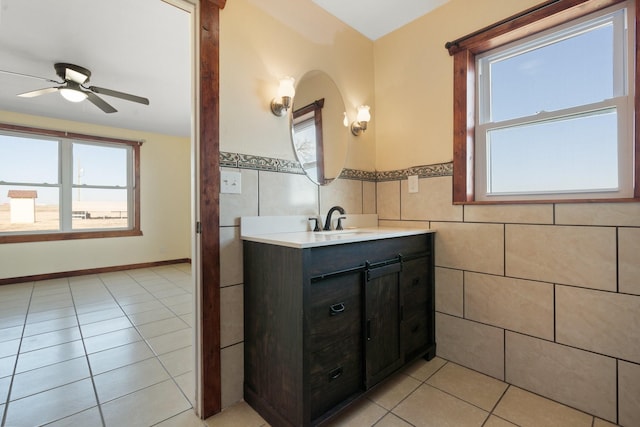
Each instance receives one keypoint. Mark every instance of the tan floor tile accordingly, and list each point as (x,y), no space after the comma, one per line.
(422,369)
(237,415)
(6,366)
(145,407)
(118,357)
(528,409)
(48,339)
(172,341)
(184,419)
(90,417)
(51,405)
(394,390)
(49,377)
(468,385)
(363,413)
(179,362)
(130,378)
(430,407)
(602,423)
(494,421)
(161,327)
(187,383)
(391,420)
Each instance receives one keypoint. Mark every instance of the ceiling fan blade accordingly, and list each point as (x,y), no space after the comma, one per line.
(38,92)
(100,103)
(121,95)
(30,76)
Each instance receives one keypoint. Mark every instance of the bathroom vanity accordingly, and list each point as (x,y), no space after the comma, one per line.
(330,315)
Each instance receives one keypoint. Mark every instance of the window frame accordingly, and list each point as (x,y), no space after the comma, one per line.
(464,51)
(44,236)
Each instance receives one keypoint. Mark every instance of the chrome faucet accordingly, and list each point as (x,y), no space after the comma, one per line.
(327,223)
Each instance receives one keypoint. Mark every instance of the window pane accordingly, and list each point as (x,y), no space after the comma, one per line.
(28,160)
(99,165)
(568,73)
(99,208)
(29,208)
(574,154)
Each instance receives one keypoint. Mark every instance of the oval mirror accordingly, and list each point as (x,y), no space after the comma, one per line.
(319,127)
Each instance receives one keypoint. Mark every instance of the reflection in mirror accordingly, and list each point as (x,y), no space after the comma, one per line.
(318,131)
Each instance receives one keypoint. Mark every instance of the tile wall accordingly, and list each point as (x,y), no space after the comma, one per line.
(269,187)
(545,297)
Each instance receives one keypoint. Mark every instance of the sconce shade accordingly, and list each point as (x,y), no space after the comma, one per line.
(286,87)
(362,119)
(363,114)
(281,103)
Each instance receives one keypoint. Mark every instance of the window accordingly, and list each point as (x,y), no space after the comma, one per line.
(548,116)
(56,186)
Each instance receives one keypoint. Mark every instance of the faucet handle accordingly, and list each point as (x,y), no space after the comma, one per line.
(317,227)
(339,227)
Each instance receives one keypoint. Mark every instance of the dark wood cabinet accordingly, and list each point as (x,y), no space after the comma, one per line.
(323,325)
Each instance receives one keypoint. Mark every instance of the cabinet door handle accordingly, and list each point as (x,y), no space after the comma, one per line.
(415,328)
(416,281)
(369,330)
(335,374)
(336,309)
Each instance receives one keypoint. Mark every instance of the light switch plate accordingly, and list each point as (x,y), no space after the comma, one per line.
(230,182)
(413,184)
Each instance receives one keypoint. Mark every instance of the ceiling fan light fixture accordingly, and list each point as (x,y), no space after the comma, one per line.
(73,95)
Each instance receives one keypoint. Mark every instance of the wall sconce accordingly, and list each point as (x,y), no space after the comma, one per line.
(363,117)
(281,103)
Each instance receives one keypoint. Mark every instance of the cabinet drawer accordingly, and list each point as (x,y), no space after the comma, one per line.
(415,277)
(415,332)
(335,310)
(335,374)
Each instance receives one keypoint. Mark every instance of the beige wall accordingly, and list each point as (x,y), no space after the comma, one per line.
(414,81)
(264,40)
(545,297)
(165,169)
(260,42)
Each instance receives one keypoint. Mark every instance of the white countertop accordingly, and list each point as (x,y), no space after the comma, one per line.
(309,239)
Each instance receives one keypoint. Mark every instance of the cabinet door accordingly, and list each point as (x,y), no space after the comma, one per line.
(382,323)
(416,290)
(335,341)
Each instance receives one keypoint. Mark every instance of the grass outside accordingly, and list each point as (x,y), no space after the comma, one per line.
(47,219)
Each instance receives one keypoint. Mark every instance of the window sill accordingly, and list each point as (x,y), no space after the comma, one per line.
(545,202)
(50,237)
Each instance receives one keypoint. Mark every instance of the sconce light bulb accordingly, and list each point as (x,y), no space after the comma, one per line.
(345,120)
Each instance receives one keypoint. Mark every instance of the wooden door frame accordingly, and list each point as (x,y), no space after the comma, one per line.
(209,133)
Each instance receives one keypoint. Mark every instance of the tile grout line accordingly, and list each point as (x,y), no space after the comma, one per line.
(3,420)
(86,355)
(155,353)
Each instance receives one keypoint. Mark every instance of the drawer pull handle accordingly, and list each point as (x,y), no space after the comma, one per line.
(416,281)
(336,309)
(414,329)
(335,374)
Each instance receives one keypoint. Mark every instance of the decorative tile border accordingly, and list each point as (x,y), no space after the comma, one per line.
(248,161)
(426,171)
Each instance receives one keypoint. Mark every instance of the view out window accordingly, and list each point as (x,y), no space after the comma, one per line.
(549,116)
(54,187)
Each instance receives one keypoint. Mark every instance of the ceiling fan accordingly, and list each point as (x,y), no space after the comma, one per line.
(74,87)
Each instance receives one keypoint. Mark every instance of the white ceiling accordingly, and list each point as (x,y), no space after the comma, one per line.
(375,18)
(140,47)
